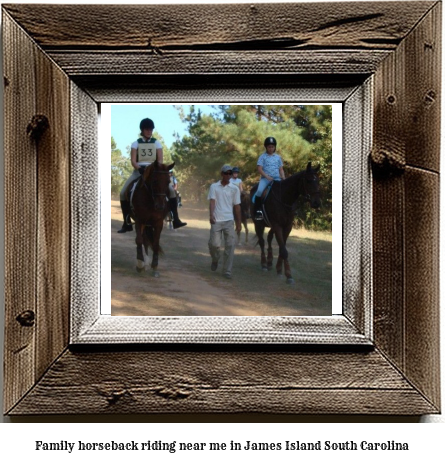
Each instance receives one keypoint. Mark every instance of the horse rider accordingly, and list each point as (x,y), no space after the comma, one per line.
(236,180)
(173,188)
(270,167)
(145,151)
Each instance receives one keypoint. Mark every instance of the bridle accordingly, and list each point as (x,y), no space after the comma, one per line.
(308,196)
(148,185)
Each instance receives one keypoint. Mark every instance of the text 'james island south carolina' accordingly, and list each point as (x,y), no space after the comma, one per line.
(175,446)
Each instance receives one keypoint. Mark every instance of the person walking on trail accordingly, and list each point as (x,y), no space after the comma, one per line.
(145,151)
(270,167)
(224,205)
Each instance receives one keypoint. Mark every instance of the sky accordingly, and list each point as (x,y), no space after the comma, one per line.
(125,119)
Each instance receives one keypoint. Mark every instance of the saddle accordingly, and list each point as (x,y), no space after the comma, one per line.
(266,191)
(131,189)
(264,196)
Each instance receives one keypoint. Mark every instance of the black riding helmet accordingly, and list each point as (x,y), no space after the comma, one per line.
(147,123)
(235,169)
(270,141)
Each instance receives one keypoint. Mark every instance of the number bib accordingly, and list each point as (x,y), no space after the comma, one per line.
(146,152)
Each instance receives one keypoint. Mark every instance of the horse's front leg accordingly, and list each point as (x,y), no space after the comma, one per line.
(140,267)
(269,250)
(283,257)
(247,231)
(259,232)
(156,238)
(287,271)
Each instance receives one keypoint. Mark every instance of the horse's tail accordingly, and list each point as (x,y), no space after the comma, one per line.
(149,239)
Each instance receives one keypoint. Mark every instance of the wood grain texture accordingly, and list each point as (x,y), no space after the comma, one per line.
(348,25)
(124,63)
(406,206)
(85,210)
(20,213)
(218,87)
(423,92)
(37,192)
(53,223)
(422,364)
(222,382)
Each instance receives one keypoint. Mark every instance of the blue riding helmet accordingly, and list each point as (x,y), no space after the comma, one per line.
(235,169)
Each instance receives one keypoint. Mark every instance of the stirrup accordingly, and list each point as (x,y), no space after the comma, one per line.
(259,215)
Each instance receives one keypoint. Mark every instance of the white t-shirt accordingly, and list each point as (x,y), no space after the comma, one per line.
(226,197)
(236,181)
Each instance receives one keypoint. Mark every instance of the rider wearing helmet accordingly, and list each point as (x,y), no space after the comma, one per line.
(270,167)
(145,151)
(235,179)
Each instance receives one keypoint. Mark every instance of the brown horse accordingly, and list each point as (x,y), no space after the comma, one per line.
(245,215)
(149,208)
(279,213)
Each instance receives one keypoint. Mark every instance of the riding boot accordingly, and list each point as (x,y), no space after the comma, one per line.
(126,210)
(177,223)
(258,209)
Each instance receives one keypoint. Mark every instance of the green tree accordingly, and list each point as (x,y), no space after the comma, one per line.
(120,169)
(235,134)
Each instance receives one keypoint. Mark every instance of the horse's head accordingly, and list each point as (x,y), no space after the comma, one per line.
(156,177)
(311,186)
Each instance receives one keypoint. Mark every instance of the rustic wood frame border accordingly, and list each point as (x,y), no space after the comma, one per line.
(49,73)
(353,326)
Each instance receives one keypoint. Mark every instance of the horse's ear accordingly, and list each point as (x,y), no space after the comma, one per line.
(317,169)
(309,166)
(169,167)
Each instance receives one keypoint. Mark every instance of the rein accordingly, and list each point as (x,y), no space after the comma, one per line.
(305,194)
(147,184)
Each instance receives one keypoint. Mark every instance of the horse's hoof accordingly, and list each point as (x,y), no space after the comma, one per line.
(290,281)
(264,268)
(155,274)
(280,275)
(140,270)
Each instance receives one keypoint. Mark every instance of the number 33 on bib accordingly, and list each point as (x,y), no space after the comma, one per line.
(146,152)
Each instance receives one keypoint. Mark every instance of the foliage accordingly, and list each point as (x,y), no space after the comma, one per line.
(120,169)
(235,134)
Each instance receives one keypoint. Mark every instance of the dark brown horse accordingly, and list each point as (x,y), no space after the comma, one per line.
(149,208)
(245,215)
(279,213)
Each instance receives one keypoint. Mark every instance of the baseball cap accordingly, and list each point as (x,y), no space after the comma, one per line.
(226,168)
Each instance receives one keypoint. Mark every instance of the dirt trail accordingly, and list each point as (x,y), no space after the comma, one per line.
(187,286)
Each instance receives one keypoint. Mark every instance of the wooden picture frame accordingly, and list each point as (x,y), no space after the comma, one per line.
(382,357)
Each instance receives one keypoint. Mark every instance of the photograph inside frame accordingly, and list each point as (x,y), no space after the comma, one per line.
(223,209)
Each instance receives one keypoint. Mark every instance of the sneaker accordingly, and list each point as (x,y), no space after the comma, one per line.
(227,275)
(214,266)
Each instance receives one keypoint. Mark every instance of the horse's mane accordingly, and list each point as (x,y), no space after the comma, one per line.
(158,166)
(148,171)
(294,177)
